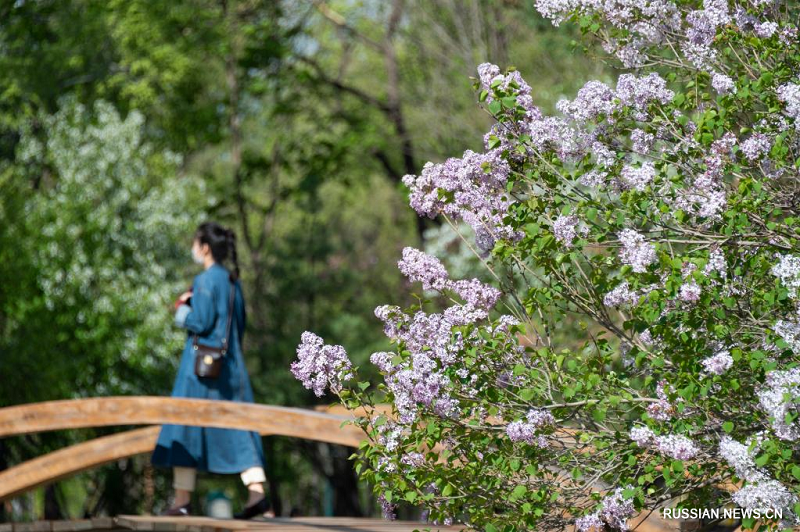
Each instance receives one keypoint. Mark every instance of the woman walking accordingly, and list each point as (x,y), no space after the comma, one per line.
(204,312)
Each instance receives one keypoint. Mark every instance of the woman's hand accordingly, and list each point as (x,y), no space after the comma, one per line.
(183,298)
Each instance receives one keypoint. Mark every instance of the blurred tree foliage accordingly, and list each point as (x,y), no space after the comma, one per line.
(123,123)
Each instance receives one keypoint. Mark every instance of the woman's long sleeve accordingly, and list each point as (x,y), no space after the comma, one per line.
(200,317)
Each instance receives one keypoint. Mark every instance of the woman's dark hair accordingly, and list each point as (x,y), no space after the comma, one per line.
(222,242)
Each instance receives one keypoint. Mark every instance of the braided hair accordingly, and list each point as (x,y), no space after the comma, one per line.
(232,250)
(222,243)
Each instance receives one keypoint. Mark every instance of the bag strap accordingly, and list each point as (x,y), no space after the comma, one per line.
(228,322)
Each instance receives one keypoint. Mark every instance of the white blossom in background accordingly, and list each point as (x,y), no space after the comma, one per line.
(113,236)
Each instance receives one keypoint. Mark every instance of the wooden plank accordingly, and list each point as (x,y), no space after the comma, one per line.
(70,525)
(157,410)
(132,522)
(284,524)
(33,526)
(103,522)
(74,459)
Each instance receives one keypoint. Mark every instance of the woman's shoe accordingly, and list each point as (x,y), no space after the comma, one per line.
(256,509)
(180,510)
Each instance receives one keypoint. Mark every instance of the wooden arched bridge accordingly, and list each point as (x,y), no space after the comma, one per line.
(145,410)
(326,425)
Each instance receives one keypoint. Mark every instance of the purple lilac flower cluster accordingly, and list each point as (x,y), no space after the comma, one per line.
(638,177)
(790,332)
(768,494)
(642,141)
(718,363)
(490,78)
(319,366)
(567,228)
(673,445)
(620,295)
(722,84)
(690,292)
(526,431)
(570,141)
(788,271)
(614,512)
(420,379)
(789,94)
(477,186)
(419,266)
(704,196)
(755,147)
(478,296)
(761,492)
(388,509)
(636,251)
(742,459)
(716,263)
(663,409)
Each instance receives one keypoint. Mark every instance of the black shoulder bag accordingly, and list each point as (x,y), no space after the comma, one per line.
(208,359)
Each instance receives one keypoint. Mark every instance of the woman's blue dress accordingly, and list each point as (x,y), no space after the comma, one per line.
(211,449)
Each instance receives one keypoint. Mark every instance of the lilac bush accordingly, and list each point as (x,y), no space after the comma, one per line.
(653,227)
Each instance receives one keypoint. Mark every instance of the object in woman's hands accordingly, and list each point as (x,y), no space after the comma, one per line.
(208,359)
(181,301)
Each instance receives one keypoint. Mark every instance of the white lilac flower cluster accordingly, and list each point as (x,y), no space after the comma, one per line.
(319,366)
(526,430)
(614,512)
(673,445)
(636,251)
(779,397)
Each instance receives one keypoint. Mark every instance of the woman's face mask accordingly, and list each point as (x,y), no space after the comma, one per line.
(196,254)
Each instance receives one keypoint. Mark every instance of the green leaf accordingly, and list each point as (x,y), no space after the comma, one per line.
(518,492)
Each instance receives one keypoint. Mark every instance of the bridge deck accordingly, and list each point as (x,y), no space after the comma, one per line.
(123,523)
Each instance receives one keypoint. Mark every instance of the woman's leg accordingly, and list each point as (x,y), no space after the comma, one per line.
(183,481)
(254,479)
